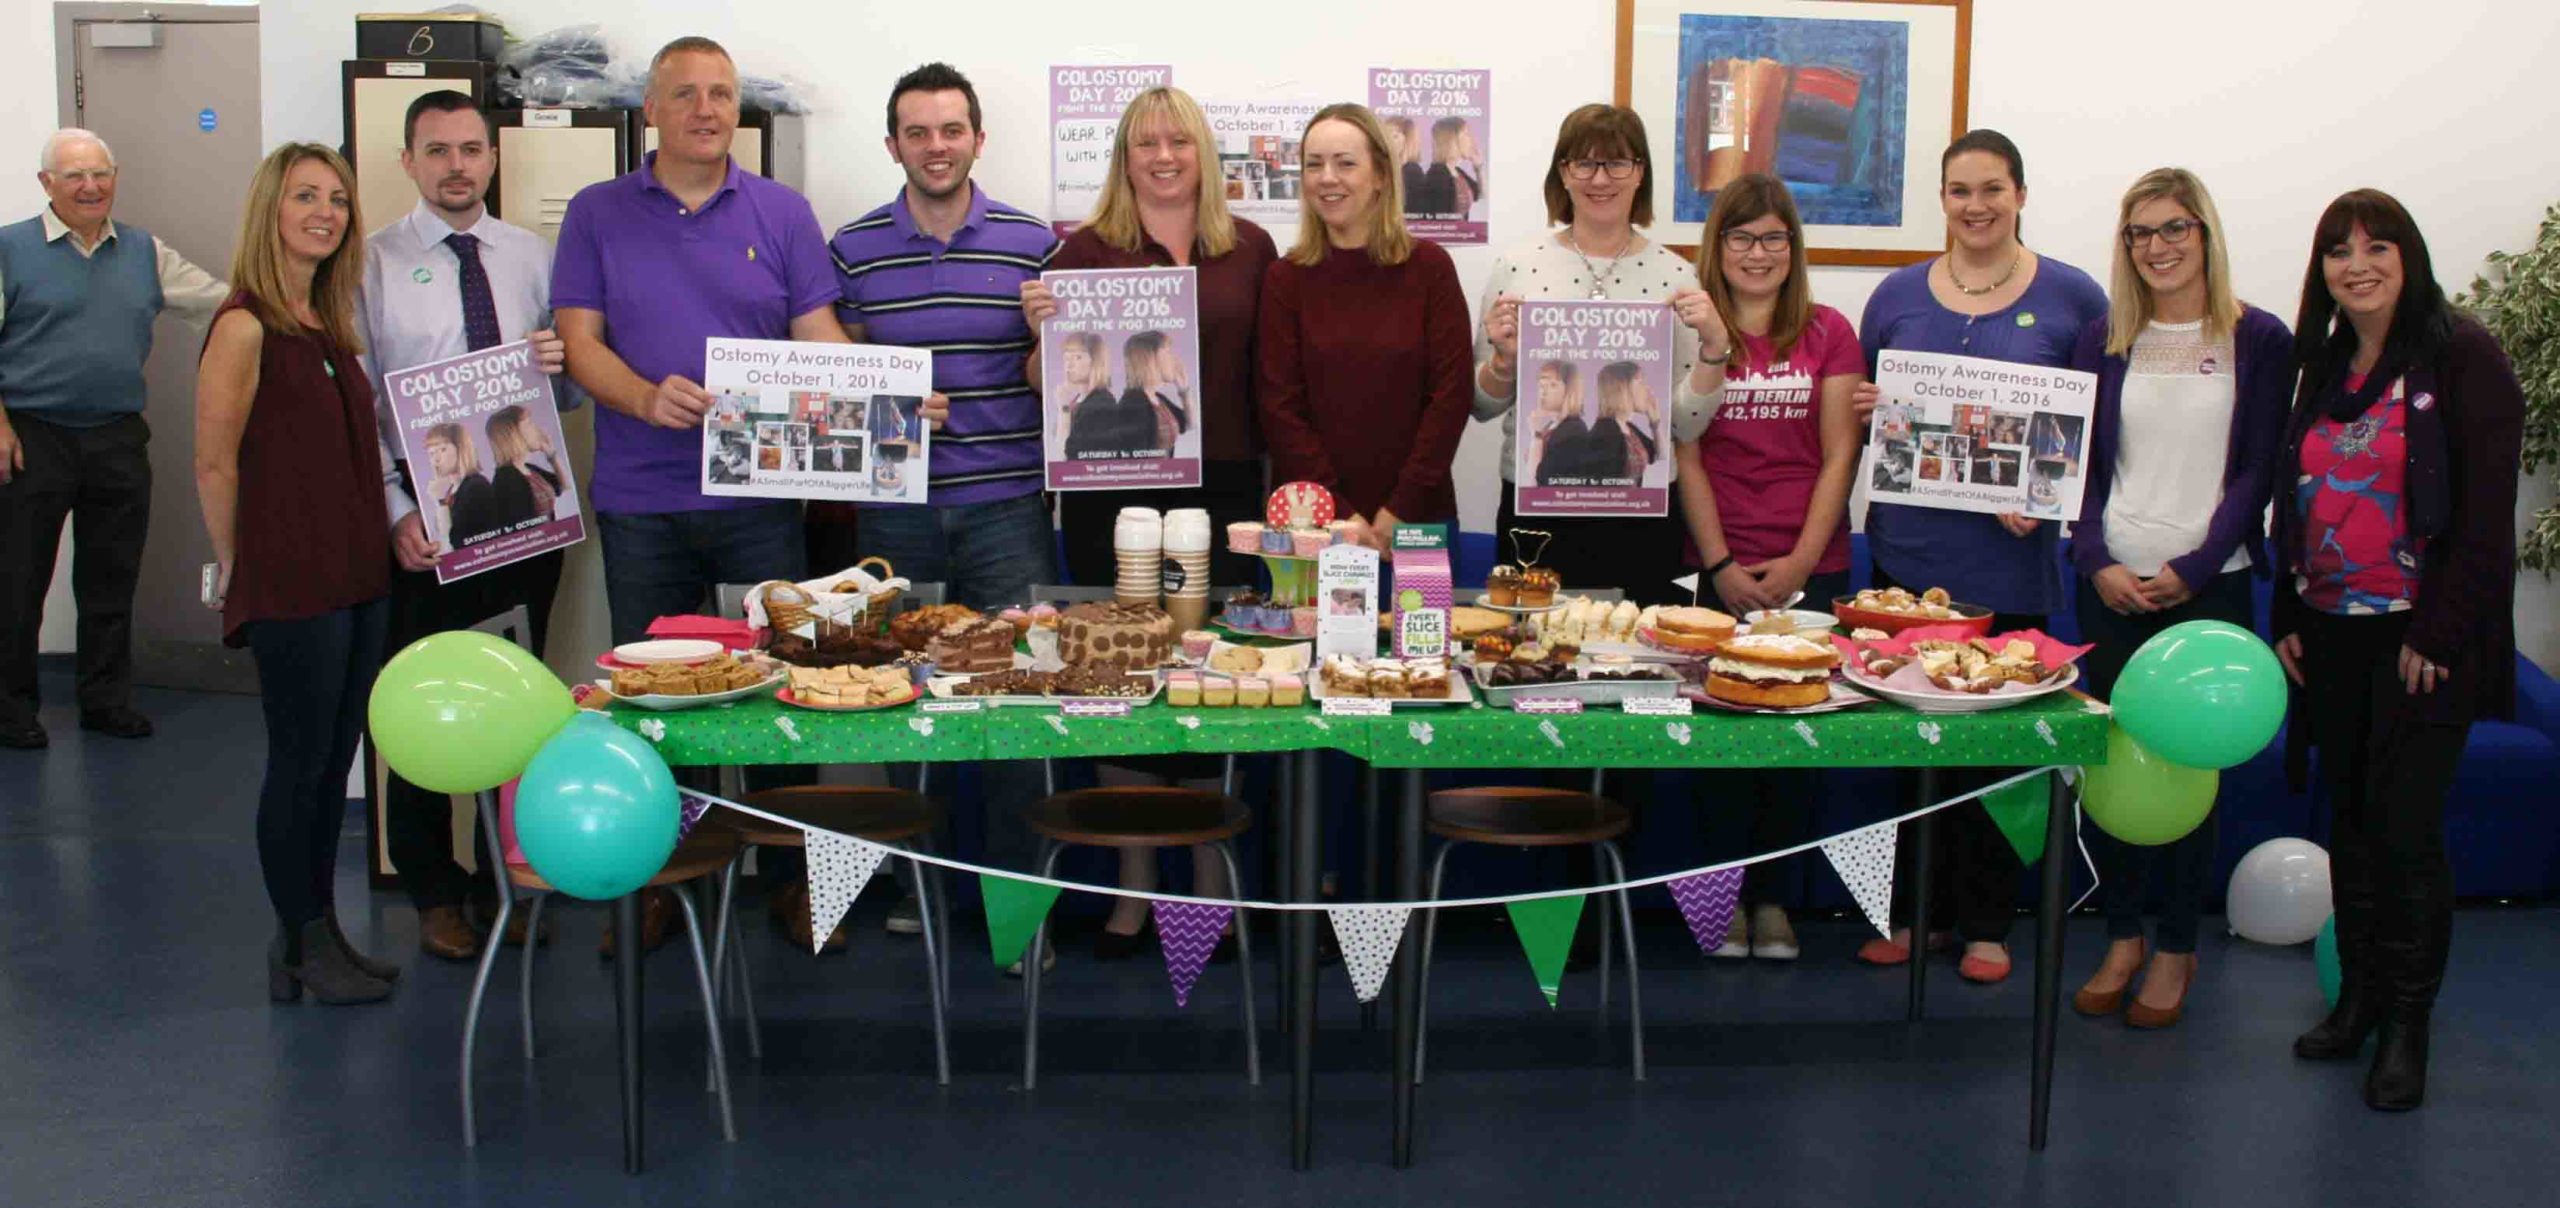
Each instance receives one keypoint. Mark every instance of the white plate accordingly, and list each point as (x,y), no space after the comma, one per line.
(1458,693)
(1805,618)
(669,704)
(1517,610)
(668,650)
(1842,697)
(1938,700)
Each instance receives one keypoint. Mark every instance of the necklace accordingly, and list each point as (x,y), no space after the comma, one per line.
(2014,259)
(1599,280)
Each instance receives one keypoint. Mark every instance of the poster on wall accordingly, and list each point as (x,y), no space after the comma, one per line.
(1847,101)
(793,420)
(1973,435)
(482,437)
(1118,363)
(1258,158)
(1440,125)
(1594,406)
(1084,117)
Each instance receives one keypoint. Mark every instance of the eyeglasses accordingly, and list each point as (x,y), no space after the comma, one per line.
(2173,231)
(1585,169)
(86,177)
(1773,242)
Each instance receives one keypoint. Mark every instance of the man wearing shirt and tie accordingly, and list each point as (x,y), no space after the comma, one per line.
(445,280)
(78,293)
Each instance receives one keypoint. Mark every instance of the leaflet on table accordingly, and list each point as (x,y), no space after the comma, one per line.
(491,469)
(1120,403)
(1084,117)
(793,420)
(1440,124)
(1258,158)
(1347,592)
(1594,408)
(1974,435)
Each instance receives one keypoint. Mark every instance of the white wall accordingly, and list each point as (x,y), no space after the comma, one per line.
(2279,104)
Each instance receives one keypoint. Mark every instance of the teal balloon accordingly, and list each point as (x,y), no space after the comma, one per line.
(2203,694)
(596,813)
(2324,954)
(463,712)
(2142,799)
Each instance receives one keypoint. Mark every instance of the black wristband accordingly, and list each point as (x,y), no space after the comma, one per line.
(1718,568)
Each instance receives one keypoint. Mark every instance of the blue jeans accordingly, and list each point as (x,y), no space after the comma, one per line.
(315,675)
(659,564)
(987,555)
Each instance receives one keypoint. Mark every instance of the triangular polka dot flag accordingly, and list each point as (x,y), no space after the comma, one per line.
(839,866)
(1707,901)
(1368,936)
(1188,932)
(1864,860)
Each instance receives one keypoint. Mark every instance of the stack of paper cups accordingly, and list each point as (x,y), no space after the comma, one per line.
(1138,542)
(1186,567)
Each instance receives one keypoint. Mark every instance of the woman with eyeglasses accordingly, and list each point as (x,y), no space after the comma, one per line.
(2395,598)
(1765,494)
(1989,298)
(2172,525)
(1600,189)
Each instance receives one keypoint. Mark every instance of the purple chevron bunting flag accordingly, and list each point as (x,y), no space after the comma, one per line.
(1707,901)
(1189,932)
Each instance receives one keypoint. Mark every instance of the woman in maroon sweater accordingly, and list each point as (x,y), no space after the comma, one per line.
(1366,344)
(2395,538)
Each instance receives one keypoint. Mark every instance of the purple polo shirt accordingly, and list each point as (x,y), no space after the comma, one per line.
(963,300)
(666,279)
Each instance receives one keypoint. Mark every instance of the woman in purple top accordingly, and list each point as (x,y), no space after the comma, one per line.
(1987,297)
(2171,527)
(2395,598)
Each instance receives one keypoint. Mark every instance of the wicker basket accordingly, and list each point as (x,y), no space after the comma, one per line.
(883,603)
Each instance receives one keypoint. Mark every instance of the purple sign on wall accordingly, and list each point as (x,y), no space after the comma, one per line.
(1441,125)
(1084,114)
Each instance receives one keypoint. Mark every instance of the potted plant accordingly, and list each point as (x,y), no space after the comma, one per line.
(2518,299)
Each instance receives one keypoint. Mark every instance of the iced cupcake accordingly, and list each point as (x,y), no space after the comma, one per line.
(1196,644)
(1276,541)
(1245,537)
(1302,622)
(1308,543)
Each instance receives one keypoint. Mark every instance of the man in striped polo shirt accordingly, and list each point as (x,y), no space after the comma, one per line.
(941,267)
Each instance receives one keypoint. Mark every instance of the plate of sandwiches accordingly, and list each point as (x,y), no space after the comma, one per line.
(1776,673)
(1400,682)
(718,680)
(1975,675)
(849,689)
(1688,630)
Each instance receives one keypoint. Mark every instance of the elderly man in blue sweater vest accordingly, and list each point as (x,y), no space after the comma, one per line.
(78,292)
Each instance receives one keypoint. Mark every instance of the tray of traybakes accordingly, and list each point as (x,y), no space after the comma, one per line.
(849,689)
(1961,674)
(1189,688)
(1105,651)
(722,678)
(1606,680)
(1400,682)
(1028,688)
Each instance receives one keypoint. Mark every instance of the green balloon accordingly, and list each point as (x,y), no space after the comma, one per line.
(461,712)
(2202,694)
(2324,954)
(2143,799)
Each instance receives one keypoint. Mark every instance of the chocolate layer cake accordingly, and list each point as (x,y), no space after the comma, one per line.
(1134,636)
(973,647)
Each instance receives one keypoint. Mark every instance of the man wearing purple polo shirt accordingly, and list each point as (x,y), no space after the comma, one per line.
(941,267)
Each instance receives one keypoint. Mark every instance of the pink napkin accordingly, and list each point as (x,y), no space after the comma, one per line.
(507,825)
(732,634)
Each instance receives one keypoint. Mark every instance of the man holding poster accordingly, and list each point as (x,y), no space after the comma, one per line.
(1595,439)
(455,313)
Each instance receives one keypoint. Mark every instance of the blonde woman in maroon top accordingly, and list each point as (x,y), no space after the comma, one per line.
(291,479)
(1366,341)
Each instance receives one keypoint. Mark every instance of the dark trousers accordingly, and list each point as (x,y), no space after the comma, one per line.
(2184,868)
(99,478)
(1973,886)
(417,824)
(2387,774)
(314,675)
(1747,811)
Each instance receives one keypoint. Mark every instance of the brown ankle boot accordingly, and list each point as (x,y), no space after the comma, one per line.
(375,969)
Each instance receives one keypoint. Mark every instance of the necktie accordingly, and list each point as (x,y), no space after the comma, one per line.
(479,310)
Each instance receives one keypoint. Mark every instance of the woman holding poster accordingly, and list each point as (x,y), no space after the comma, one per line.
(1765,494)
(1992,299)
(2395,509)
(1364,339)
(2172,524)
(1599,188)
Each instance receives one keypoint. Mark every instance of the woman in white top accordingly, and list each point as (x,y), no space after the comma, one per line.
(2172,524)
(1600,189)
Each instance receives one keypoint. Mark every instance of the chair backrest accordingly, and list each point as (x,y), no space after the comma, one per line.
(731,599)
(515,625)
(1062,593)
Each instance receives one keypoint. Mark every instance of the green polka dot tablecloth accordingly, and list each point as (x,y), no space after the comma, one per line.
(2060,729)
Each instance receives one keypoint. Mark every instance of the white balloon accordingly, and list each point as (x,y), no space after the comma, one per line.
(2280,892)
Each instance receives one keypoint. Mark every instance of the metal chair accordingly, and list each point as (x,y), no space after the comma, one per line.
(1148,816)
(1509,816)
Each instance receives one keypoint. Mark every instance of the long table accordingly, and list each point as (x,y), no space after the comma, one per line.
(2063,729)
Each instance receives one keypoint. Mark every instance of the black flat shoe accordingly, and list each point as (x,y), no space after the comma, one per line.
(118,722)
(1109,945)
(24,736)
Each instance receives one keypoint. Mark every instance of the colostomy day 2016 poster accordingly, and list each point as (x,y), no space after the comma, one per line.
(482,438)
(1440,125)
(1119,362)
(1594,408)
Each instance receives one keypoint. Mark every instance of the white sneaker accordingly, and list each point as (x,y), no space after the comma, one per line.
(1772,939)
(1737,940)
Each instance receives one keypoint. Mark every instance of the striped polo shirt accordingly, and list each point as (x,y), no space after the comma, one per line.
(962,300)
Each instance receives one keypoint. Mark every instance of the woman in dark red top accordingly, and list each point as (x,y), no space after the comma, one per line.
(2395,602)
(289,472)
(1366,343)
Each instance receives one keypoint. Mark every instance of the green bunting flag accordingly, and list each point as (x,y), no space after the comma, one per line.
(1546,933)
(2019,810)
(1014,911)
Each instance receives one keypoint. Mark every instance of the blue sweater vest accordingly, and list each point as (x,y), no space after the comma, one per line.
(74,330)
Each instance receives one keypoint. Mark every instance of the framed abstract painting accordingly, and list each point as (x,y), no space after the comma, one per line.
(1847,101)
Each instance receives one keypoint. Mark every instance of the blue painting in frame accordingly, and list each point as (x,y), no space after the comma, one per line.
(1823,104)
